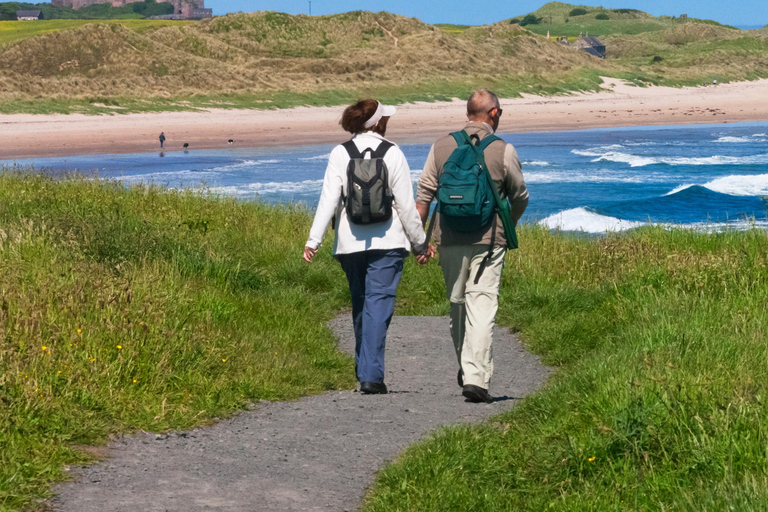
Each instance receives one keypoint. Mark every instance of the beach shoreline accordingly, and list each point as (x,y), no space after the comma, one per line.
(619,104)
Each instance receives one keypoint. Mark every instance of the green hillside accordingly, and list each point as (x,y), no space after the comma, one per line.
(273,60)
(561,19)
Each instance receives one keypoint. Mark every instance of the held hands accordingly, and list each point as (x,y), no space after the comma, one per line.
(424,257)
(309,254)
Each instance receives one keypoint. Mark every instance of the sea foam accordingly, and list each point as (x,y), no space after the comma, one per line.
(581,219)
(318,157)
(736,185)
(642,161)
(289,187)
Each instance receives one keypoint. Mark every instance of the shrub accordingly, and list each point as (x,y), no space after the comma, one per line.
(602,16)
(578,11)
(514,21)
(530,19)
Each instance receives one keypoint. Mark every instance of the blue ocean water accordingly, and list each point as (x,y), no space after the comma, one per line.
(704,176)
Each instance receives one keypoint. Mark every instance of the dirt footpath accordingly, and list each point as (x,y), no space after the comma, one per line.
(316,454)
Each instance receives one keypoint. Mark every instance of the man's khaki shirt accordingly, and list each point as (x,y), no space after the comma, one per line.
(504,166)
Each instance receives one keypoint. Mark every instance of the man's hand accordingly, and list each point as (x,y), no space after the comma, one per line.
(309,253)
(428,253)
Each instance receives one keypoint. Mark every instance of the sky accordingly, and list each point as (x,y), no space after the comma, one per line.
(733,12)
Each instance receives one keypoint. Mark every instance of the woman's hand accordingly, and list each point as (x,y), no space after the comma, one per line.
(309,253)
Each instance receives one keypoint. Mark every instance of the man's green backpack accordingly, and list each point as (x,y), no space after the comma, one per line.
(467,197)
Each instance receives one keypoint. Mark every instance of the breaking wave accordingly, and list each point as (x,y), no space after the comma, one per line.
(583,219)
(641,161)
(736,185)
(291,187)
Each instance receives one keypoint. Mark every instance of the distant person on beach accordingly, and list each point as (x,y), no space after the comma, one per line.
(162,139)
(367,190)
(473,235)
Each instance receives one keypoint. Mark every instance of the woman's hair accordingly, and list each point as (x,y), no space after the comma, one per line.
(354,117)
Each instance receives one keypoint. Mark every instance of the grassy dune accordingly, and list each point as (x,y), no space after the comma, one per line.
(659,402)
(14,31)
(273,60)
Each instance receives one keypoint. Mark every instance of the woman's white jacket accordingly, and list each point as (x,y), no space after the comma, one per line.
(402,231)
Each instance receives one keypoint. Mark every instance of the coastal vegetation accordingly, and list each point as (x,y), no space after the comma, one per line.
(273,60)
(145,308)
(659,398)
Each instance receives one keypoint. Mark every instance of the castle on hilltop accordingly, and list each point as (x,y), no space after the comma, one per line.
(191,9)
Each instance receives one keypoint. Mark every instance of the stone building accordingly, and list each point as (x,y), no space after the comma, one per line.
(29,15)
(182,8)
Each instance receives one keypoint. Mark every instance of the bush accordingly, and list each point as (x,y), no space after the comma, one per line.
(578,11)
(530,19)
(514,21)
(602,16)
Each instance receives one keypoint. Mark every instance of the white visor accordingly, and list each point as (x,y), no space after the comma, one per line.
(381,111)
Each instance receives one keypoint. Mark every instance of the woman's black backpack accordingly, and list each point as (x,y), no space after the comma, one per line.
(369,198)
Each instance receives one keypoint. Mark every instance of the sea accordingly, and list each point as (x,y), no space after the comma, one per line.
(706,177)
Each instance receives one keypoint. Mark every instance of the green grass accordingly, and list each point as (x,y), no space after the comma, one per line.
(14,31)
(148,309)
(659,399)
(142,308)
(453,29)
(583,25)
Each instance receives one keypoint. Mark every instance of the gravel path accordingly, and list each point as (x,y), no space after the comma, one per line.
(316,454)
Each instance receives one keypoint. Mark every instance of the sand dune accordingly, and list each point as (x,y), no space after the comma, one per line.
(619,104)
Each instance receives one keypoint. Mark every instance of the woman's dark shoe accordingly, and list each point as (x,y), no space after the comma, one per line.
(476,394)
(460,378)
(373,388)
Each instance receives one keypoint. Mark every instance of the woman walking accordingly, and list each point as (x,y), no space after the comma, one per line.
(368,190)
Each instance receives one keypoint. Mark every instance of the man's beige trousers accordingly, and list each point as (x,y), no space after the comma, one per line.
(473,307)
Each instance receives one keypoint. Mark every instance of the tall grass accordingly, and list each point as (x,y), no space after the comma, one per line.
(13,31)
(143,308)
(124,309)
(660,398)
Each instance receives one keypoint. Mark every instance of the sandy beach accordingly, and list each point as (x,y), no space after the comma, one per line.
(618,104)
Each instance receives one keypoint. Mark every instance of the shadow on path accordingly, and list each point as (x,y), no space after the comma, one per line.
(319,453)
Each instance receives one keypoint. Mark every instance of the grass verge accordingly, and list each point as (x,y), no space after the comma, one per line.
(147,309)
(659,401)
(142,308)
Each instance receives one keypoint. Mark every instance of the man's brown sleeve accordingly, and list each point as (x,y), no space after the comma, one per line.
(427,189)
(514,183)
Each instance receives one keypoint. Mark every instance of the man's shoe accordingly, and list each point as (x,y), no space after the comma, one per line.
(373,388)
(476,394)
(460,378)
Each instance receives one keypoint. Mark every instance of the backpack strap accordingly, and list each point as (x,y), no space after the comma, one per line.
(382,149)
(461,138)
(487,141)
(351,148)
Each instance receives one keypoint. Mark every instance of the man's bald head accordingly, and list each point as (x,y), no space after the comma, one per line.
(480,103)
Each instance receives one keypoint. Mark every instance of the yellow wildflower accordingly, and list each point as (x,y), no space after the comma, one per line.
(45,348)
(119,347)
(135,381)
(223,360)
(79,330)
(591,459)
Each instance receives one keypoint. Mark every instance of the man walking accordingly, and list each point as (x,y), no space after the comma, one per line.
(162,139)
(472,261)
